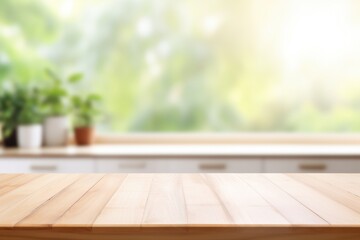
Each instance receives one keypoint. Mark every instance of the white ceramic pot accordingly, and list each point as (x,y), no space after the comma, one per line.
(30,136)
(56,131)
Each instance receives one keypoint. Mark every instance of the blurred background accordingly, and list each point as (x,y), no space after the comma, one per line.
(195,65)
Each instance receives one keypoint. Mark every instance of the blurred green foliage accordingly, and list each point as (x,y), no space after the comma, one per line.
(57,93)
(24,26)
(32,105)
(86,109)
(10,108)
(177,66)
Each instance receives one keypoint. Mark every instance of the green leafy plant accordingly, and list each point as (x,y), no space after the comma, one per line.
(57,95)
(86,110)
(32,111)
(11,105)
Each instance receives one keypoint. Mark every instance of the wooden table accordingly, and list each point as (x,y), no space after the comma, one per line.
(180,206)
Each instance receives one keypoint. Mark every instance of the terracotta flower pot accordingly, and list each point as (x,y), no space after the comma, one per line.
(84,135)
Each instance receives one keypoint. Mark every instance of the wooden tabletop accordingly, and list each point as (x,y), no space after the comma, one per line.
(188,206)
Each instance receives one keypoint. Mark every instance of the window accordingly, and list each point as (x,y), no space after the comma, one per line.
(197,65)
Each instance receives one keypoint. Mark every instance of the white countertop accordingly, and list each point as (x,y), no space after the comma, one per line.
(188,150)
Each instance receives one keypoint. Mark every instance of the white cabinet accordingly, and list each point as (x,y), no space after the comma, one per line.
(216,165)
(45,165)
(312,165)
(179,165)
(184,165)
(126,165)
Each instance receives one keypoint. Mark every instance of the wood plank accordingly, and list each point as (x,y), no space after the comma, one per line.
(16,182)
(244,204)
(347,182)
(127,205)
(295,212)
(133,191)
(23,191)
(165,204)
(343,197)
(181,207)
(327,208)
(85,211)
(203,206)
(55,207)
(11,215)
(4,178)
(197,191)
(211,215)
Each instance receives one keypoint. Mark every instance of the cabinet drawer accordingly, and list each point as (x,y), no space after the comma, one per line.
(46,166)
(312,166)
(126,166)
(216,166)
(178,166)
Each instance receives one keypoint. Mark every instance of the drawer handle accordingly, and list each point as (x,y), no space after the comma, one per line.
(312,166)
(141,165)
(212,166)
(44,167)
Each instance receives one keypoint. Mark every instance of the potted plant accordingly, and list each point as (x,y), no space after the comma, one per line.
(29,129)
(86,110)
(10,107)
(57,99)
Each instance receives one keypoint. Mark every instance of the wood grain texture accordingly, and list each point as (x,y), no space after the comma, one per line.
(294,211)
(180,206)
(332,211)
(165,204)
(243,203)
(56,207)
(128,203)
(85,211)
(15,182)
